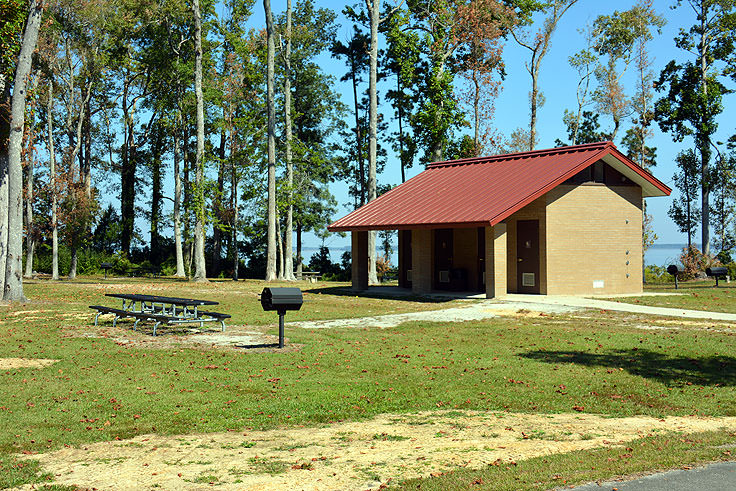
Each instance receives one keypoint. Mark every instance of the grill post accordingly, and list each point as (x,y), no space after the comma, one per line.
(674,270)
(282,313)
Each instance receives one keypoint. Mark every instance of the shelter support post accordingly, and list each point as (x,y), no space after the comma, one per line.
(421,260)
(359,260)
(496,257)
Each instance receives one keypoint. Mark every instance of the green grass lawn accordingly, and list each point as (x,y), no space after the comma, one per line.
(555,471)
(101,390)
(694,295)
(322,300)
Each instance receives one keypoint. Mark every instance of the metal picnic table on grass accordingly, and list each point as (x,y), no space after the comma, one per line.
(168,310)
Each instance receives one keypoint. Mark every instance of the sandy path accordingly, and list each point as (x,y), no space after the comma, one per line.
(473,312)
(355,455)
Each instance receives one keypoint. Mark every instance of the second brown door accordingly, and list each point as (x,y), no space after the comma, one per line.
(527,256)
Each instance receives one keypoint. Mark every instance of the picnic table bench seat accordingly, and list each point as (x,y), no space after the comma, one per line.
(101,309)
(218,315)
(160,315)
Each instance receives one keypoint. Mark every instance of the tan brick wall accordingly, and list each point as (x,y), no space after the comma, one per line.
(465,254)
(422,262)
(593,235)
(536,210)
(496,260)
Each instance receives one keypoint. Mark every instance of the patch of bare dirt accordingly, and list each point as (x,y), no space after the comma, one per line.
(11,363)
(355,455)
(247,339)
(700,325)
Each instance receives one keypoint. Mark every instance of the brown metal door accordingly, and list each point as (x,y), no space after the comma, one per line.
(481,284)
(442,258)
(527,256)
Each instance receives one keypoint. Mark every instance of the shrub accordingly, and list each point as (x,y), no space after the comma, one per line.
(88,261)
(731,269)
(120,263)
(694,262)
(657,274)
(321,261)
(383,266)
(724,257)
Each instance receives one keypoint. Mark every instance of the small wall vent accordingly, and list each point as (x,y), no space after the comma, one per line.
(528,279)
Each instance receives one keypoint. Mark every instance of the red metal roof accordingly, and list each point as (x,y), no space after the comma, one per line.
(486,190)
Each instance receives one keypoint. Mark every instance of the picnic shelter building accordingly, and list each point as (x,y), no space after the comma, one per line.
(560,221)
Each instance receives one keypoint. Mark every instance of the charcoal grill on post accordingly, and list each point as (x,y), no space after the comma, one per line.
(719,272)
(674,270)
(281,300)
(106,266)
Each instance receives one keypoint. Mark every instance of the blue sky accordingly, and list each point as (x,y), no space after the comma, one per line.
(558,81)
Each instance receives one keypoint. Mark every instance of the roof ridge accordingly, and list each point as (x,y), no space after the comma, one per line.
(518,155)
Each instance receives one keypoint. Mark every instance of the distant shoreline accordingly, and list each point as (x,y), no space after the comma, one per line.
(660,245)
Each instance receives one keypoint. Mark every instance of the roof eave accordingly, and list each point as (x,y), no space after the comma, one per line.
(407,226)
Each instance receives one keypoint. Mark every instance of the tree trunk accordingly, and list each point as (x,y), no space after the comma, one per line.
(299,266)
(402,157)
(476,114)
(704,142)
(4,133)
(271,245)
(127,172)
(75,142)
(373,123)
(437,146)
(234,222)
(358,138)
(616,126)
(533,107)
(30,232)
(86,174)
(576,128)
(187,206)
(30,226)
(156,196)
(289,232)
(73,265)
(52,183)
(199,206)
(705,198)
(177,200)
(13,288)
(279,250)
(217,204)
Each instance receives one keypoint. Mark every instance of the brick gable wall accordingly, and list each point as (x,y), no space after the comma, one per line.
(593,239)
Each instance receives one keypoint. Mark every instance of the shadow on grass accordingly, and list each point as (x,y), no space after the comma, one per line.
(257,346)
(110,280)
(670,370)
(685,286)
(391,293)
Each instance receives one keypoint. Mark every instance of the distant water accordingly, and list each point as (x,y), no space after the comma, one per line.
(664,254)
(657,255)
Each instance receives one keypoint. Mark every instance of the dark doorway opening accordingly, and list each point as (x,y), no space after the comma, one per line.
(481,260)
(405,259)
